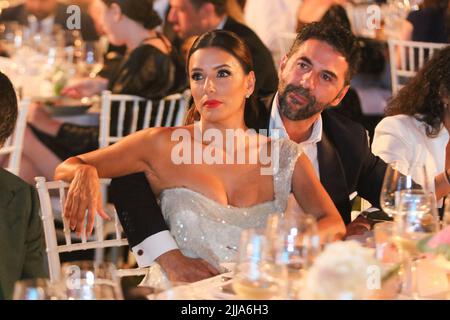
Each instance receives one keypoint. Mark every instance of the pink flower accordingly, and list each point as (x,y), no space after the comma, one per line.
(442,237)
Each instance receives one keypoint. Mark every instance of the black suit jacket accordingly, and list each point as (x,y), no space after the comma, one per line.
(346,164)
(19,13)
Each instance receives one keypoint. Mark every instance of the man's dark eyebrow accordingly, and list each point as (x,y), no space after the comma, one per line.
(328,72)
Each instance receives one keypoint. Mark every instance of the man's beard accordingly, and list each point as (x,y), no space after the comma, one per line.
(311,108)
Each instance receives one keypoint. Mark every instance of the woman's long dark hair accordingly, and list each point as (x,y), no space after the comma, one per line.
(422,96)
(231,43)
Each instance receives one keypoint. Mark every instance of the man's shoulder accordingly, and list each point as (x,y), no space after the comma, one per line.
(11,182)
(341,126)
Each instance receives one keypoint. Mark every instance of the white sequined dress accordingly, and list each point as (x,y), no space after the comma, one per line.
(204,228)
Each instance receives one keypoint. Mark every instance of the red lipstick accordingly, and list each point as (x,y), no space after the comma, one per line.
(212,103)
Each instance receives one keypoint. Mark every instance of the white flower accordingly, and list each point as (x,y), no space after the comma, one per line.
(340,272)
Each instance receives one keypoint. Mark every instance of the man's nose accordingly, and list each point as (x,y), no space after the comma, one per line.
(307,80)
(171,16)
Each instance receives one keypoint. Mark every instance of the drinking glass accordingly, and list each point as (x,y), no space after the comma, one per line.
(417,219)
(256,275)
(91,60)
(398,177)
(87,280)
(36,289)
(294,243)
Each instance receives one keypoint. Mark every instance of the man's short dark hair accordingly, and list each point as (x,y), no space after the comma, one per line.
(220,6)
(8,108)
(340,38)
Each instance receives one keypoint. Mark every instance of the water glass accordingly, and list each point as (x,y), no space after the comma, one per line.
(256,275)
(87,280)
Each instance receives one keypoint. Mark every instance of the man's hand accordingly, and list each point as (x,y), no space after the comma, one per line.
(180,268)
(358,227)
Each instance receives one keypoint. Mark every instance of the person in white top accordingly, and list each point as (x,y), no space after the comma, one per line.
(269,19)
(416,130)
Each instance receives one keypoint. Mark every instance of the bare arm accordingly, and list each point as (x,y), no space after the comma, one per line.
(125,157)
(314,199)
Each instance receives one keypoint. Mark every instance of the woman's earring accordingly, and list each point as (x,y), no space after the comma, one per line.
(247,96)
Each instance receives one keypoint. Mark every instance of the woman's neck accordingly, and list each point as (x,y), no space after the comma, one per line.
(136,37)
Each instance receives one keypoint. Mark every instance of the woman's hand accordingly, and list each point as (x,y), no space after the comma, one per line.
(84,193)
(85,87)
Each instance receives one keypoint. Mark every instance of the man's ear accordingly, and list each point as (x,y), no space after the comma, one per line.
(283,63)
(340,96)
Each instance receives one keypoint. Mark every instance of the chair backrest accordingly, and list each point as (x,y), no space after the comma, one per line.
(407,57)
(14,144)
(285,41)
(135,113)
(97,240)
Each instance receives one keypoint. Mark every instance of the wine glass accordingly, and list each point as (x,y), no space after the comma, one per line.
(91,60)
(416,219)
(295,244)
(36,289)
(256,275)
(87,280)
(398,177)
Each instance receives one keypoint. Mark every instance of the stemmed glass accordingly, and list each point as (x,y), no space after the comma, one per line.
(295,243)
(416,219)
(256,275)
(87,280)
(399,176)
(91,61)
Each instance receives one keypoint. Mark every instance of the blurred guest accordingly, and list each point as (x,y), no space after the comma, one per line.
(330,11)
(21,238)
(416,131)
(264,17)
(147,70)
(195,17)
(43,15)
(428,24)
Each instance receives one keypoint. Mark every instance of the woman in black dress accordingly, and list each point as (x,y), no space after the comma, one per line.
(148,69)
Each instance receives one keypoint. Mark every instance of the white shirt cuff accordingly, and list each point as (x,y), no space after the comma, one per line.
(152,247)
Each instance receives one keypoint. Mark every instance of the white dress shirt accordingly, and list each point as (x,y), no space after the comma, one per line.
(154,246)
(403,138)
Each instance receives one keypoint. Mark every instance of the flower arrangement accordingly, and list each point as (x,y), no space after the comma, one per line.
(341,271)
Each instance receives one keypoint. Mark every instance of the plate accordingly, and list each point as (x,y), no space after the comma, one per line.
(62,106)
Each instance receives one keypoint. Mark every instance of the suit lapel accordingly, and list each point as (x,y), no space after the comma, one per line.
(332,176)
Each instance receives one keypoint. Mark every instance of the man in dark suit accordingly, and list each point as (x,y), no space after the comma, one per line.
(21,238)
(42,15)
(194,17)
(314,78)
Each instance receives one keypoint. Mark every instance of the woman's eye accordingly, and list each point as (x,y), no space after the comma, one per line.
(223,73)
(196,76)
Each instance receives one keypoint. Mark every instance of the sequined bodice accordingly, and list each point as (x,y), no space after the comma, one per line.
(207,229)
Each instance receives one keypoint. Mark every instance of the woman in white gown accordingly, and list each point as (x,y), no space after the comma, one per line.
(206,204)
